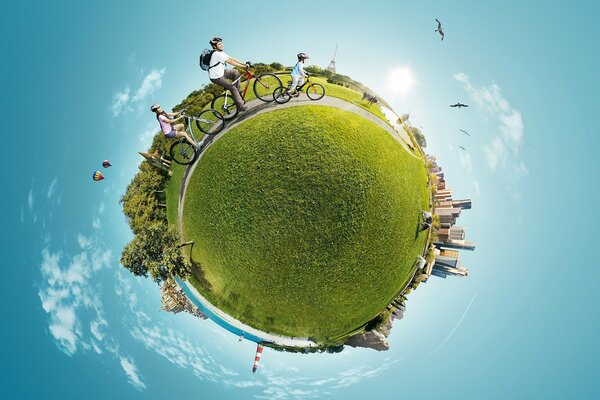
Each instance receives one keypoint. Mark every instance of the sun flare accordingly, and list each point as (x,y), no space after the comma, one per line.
(401,80)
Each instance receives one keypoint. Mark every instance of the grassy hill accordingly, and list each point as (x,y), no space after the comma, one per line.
(305,221)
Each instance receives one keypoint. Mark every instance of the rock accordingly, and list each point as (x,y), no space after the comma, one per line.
(372,340)
(375,339)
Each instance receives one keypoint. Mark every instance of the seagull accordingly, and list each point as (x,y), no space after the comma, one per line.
(465,132)
(439,28)
(462,147)
(459,105)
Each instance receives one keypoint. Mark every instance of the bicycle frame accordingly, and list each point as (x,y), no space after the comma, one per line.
(299,88)
(248,75)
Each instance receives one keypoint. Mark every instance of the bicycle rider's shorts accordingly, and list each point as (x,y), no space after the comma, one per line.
(171,134)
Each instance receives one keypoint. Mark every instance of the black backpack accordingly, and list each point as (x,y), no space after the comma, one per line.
(205,59)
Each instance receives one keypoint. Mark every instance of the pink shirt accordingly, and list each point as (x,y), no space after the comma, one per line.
(164,125)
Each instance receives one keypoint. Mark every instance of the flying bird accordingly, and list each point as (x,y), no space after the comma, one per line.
(462,147)
(465,132)
(439,28)
(459,105)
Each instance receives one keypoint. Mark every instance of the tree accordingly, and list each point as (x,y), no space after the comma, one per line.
(419,137)
(277,66)
(154,251)
(140,204)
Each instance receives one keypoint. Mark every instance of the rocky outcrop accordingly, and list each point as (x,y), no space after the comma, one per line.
(375,339)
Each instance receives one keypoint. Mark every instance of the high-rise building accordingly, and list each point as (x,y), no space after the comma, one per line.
(447,263)
(463,204)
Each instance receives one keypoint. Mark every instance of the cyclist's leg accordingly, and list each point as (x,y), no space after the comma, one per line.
(232,75)
(179,127)
(293,85)
(187,137)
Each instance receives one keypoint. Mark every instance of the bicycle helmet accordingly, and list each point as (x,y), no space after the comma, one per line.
(214,41)
(155,107)
(302,56)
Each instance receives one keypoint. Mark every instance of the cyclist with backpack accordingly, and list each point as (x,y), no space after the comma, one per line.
(171,131)
(215,61)
(298,73)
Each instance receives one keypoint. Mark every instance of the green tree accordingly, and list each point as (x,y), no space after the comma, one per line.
(155,251)
(277,66)
(419,137)
(140,204)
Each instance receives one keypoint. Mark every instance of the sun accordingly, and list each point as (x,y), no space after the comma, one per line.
(401,80)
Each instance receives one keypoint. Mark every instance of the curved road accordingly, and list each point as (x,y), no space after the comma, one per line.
(257,107)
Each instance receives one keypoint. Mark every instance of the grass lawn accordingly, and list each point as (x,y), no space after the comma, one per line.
(305,220)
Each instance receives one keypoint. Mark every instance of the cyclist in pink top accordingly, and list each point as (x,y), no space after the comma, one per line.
(171,131)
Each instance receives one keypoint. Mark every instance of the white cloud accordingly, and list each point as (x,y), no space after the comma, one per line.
(132,373)
(176,348)
(122,100)
(151,82)
(502,153)
(30,200)
(83,241)
(101,209)
(96,328)
(96,223)
(67,296)
(52,188)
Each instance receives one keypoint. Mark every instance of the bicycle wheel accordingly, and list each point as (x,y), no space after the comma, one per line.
(280,95)
(264,85)
(182,152)
(315,91)
(225,106)
(210,122)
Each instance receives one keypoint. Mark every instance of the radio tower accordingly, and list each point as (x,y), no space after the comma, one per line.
(331,66)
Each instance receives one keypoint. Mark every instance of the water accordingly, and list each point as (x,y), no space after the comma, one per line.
(217,319)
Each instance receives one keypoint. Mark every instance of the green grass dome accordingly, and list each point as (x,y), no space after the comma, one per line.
(305,221)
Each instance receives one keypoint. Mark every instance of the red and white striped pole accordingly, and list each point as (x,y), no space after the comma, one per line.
(259,350)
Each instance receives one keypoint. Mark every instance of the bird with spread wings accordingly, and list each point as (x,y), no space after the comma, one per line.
(439,28)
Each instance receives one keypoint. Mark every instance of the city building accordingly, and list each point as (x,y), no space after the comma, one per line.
(174,300)
(450,238)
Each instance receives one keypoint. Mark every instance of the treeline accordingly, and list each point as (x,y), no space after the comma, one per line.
(155,249)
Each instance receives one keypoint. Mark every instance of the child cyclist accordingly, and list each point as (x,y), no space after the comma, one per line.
(171,131)
(298,73)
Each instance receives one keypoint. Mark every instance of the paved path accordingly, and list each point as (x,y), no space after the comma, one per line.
(264,336)
(257,107)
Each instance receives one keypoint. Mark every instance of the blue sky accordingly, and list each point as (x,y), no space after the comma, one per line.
(77,80)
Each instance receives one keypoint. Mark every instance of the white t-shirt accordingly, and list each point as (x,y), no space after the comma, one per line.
(218,70)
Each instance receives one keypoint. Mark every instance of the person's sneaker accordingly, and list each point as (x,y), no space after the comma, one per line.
(242,108)
(296,94)
(200,146)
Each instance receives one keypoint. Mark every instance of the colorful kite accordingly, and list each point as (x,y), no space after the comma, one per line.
(97,176)
(106,164)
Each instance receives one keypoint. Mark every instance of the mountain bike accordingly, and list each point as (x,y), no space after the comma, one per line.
(263,87)
(314,91)
(209,122)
